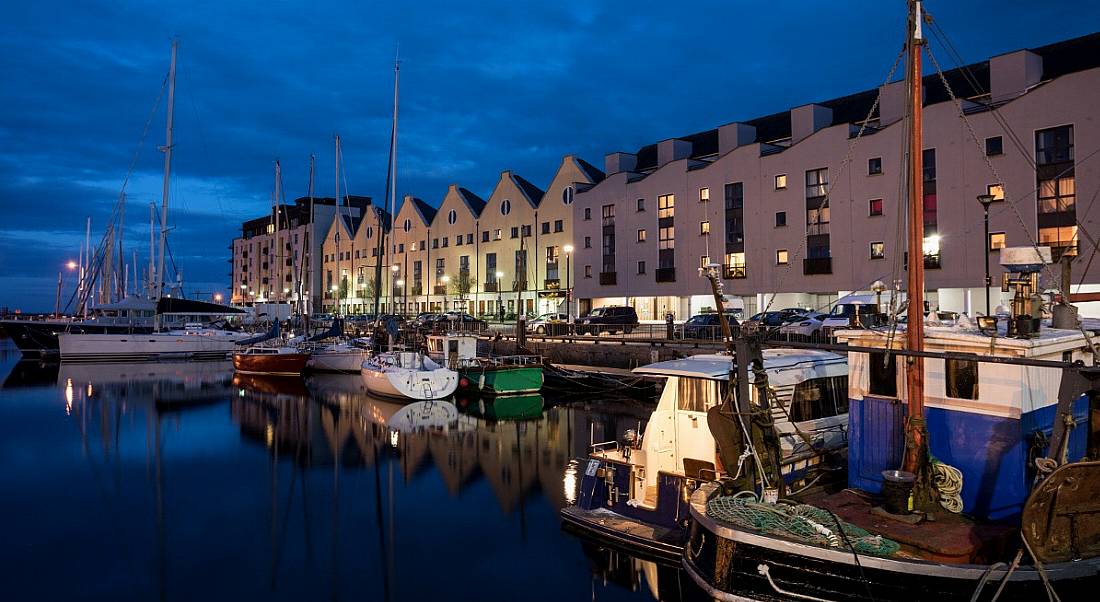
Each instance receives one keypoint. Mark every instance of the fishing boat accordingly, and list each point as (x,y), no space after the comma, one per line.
(408,375)
(634,492)
(275,360)
(973,471)
(488,375)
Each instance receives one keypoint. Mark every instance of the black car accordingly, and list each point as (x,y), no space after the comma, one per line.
(707,326)
(611,318)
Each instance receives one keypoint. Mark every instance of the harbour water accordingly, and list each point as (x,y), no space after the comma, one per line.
(181,481)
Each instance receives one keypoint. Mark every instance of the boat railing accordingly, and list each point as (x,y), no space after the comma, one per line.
(604,446)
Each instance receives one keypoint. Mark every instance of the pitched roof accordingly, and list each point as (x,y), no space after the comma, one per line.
(529,190)
(426,211)
(593,174)
(474,202)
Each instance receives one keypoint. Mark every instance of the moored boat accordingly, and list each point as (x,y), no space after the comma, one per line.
(190,343)
(408,375)
(487,375)
(338,356)
(281,361)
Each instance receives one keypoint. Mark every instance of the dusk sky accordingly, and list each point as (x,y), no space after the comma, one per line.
(485,86)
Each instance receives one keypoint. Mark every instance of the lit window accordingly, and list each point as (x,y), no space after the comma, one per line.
(666,238)
(704,261)
(641,235)
(875,207)
(781,257)
(704,195)
(996,240)
(878,250)
(781,181)
(666,206)
(817,182)
(1057,195)
(704,228)
(997,191)
(499,234)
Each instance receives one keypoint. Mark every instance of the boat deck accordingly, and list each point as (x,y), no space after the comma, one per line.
(949,538)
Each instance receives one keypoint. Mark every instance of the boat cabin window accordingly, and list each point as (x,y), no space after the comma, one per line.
(883,372)
(819,398)
(697,394)
(962,378)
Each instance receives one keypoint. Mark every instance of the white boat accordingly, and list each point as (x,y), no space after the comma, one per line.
(189,343)
(337,357)
(408,375)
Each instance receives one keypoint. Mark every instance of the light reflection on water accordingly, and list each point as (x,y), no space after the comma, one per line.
(182,481)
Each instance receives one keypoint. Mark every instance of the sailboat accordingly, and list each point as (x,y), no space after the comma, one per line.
(195,340)
(971,482)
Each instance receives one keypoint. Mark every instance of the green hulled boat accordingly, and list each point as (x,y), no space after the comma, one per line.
(508,375)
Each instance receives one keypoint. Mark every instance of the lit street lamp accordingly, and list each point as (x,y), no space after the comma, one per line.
(568,283)
(986,200)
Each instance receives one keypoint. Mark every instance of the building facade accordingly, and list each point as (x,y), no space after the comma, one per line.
(799,208)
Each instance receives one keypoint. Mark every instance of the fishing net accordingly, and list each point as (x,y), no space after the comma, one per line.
(800,521)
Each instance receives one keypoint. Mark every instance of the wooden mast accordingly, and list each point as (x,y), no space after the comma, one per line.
(916,448)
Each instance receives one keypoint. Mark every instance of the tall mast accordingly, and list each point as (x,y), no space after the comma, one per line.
(152,273)
(120,290)
(308,244)
(391,185)
(339,228)
(275,269)
(167,148)
(916,449)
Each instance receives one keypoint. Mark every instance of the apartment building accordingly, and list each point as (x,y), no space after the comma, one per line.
(278,251)
(799,209)
(502,254)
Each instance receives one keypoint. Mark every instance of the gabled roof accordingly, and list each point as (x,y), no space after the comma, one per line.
(593,174)
(530,191)
(474,202)
(426,211)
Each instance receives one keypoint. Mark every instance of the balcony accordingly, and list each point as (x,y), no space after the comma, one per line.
(492,287)
(817,265)
(666,274)
(551,284)
(608,278)
(439,289)
(817,228)
(735,272)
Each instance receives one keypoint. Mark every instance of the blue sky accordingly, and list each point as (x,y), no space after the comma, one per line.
(486,86)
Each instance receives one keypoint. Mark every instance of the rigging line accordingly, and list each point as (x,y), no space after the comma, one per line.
(144,132)
(1093,242)
(840,171)
(202,135)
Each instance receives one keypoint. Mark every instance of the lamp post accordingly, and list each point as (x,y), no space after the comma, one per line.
(393,282)
(445,279)
(568,284)
(500,301)
(401,283)
(986,200)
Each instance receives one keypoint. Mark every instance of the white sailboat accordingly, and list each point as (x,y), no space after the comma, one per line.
(408,374)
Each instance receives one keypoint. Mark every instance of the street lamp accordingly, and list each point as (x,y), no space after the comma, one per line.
(986,200)
(500,302)
(217,297)
(445,279)
(568,284)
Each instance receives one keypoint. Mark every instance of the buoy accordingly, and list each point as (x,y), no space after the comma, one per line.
(463,382)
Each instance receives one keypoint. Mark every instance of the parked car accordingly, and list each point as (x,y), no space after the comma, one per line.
(776,318)
(538,325)
(610,318)
(462,321)
(842,313)
(707,326)
(806,325)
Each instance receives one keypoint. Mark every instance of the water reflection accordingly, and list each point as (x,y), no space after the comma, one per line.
(183,481)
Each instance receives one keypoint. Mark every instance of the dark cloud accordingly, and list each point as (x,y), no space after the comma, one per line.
(486,86)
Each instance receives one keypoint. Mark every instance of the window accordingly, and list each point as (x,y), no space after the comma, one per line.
(996,240)
(817,182)
(587,271)
(505,207)
(962,378)
(559,225)
(499,234)
(641,235)
(444,242)
(993,146)
(490,268)
(878,250)
(545,227)
(435,243)
(819,398)
(567,195)
(515,231)
(641,204)
(704,195)
(587,213)
(458,240)
(641,267)
(1054,145)
(997,191)
(469,238)
(666,238)
(780,218)
(1057,195)
(704,261)
(370,232)
(588,242)
(704,228)
(526,230)
(696,394)
(781,181)
(735,265)
(875,207)
(1062,239)
(874,166)
(781,257)
(666,206)
(608,214)
(400,247)
(882,372)
(452,217)
(484,236)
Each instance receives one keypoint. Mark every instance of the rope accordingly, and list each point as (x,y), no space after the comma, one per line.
(948,480)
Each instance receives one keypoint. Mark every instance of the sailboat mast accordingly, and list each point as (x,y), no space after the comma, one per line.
(340,224)
(391,188)
(393,169)
(307,306)
(159,275)
(916,434)
(151,274)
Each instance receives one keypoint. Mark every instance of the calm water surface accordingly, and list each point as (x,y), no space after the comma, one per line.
(179,481)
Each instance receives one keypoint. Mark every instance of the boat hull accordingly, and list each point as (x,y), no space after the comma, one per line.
(281,364)
(503,380)
(420,385)
(39,339)
(142,347)
(728,563)
(349,361)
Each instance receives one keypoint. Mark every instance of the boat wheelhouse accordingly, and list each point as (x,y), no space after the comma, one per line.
(491,375)
(635,492)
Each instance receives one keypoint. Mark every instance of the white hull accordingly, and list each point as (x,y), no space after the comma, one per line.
(337,359)
(144,347)
(408,379)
